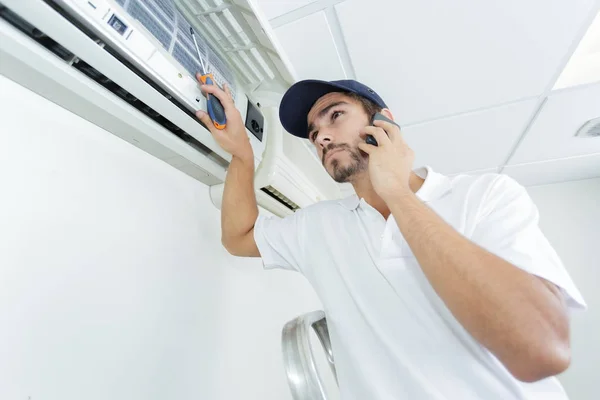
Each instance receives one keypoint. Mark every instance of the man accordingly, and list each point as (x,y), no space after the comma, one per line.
(434,287)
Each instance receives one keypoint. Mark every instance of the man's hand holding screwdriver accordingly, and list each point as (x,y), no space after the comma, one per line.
(233,139)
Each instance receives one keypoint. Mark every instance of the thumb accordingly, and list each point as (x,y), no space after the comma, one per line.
(205,119)
(207,122)
(367,148)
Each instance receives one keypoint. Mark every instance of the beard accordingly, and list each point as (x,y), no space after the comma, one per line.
(344,173)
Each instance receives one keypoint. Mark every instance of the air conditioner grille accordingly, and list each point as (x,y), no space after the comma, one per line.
(158,12)
(171,29)
(189,62)
(167,7)
(160,32)
(278,196)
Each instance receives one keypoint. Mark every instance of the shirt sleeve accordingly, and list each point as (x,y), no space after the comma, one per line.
(508,227)
(278,241)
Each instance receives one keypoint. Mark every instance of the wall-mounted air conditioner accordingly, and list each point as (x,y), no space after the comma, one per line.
(128,66)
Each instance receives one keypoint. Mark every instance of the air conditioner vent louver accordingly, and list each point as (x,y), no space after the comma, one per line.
(590,129)
(233,29)
(275,194)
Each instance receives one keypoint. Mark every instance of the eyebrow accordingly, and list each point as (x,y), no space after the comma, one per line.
(323,112)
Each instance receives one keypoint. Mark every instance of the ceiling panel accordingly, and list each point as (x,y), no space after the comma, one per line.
(432,58)
(310,47)
(584,65)
(552,133)
(469,142)
(554,171)
(276,8)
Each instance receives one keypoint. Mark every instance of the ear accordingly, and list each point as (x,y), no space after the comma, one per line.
(386,112)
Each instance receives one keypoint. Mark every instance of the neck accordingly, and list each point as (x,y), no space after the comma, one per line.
(364,189)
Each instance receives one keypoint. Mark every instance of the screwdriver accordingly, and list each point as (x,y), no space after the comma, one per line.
(214,106)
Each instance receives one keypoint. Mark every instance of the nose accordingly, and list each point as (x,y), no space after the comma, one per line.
(324,138)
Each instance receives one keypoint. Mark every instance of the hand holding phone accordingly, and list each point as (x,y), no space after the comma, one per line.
(378,116)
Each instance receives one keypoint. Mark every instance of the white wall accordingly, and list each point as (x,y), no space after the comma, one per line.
(113,281)
(570,218)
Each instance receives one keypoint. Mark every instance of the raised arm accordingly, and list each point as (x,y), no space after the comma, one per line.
(239,210)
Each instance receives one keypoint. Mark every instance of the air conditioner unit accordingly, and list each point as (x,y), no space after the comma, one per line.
(128,66)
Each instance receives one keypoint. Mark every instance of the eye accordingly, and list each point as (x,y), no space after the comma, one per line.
(336,114)
(313,136)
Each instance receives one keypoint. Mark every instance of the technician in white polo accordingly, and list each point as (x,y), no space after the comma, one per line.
(433,287)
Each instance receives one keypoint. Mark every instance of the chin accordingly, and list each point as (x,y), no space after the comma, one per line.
(344,165)
(343,173)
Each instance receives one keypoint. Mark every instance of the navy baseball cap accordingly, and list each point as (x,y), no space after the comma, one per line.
(301,96)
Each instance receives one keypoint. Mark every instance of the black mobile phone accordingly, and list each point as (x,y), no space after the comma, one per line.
(378,116)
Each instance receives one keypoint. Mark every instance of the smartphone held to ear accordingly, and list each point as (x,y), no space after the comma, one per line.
(370,139)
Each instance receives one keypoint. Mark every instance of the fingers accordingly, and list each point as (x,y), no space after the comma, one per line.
(205,119)
(392,130)
(223,95)
(378,133)
(228,91)
(225,99)
(367,148)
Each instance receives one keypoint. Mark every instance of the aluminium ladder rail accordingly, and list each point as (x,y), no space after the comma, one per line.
(300,365)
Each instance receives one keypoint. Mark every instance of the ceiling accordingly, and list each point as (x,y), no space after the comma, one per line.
(477,86)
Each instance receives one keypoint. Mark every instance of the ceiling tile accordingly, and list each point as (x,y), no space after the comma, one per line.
(310,47)
(584,65)
(469,142)
(276,8)
(554,171)
(552,134)
(433,58)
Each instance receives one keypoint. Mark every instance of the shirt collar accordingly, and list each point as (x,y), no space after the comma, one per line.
(435,186)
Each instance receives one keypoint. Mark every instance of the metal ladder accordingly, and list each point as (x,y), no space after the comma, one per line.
(300,364)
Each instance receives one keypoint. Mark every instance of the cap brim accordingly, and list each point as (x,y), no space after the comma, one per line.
(299,99)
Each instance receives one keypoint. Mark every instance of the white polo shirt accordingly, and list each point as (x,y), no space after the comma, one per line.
(392,336)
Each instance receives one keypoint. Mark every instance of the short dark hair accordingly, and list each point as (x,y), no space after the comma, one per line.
(370,107)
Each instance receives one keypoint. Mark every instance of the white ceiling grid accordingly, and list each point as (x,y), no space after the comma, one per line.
(470,82)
